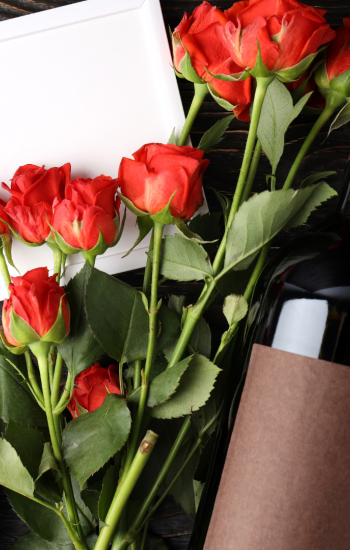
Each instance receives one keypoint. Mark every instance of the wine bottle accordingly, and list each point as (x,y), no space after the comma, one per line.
(304,309)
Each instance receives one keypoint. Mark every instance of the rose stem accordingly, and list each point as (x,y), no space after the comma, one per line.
(146,289)
(200,91)
(142,519)
(252,172)
(40,350)
(62,404)
(124,490)
(153,310)
(4,268)
(334,102)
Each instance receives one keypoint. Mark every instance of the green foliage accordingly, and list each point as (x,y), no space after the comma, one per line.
(31,541)
(194,390)
(123,333)
(314,178)
(48,461)
(200,341)
(208,227)
(184,260)
(16,400)
(265,214)
(219,100)
(28,443)
(92,439)
(81,349)
(276,115)
(342,117)
(163,386)
(145,225)
(187,70)
(214,135)
(109,488)
(13,474)
(172,139)
(235,308)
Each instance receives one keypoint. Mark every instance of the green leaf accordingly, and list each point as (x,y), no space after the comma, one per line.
(194,390)
(85,515)
(28,443)
(90,440)
(184,260)
(163,386)
(13,474)
(81,350)
(177,303)
(7,244)
(342,117)
(214,135)
(198,489)
(200,341)
(314,178)
(276,115)
(225,203)
(187,233)
(219,100)
(16,400)
(235,308)
(172,139)
(109,487)
(123,333)
(208,227)
(48,461)
(296,71)
(91,496)
(145,225)
(265,214)
(31,541)
(155,543)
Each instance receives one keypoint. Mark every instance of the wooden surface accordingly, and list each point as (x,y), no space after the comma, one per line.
(326,154)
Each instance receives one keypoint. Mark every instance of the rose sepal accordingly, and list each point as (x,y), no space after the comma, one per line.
(7,246)
(187,70)
(16,350)
(18,237)
(164,216)
(130,206)
(57,333)
(236,77)
(260,69)
(296,71)
(186,232)
(145,225)
(341,83)
(21,331)
(219,100)
(57,239)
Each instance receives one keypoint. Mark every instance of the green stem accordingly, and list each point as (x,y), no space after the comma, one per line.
(4,269)
(200,91)
(152,314)
(261,88)
(147,279)
(78,544)
(144,537)
(56,380)
(51,363)
(124,490)
(40,350)
(57,259)
(334,101)
(65,397)
(32,379)
(252,172)
(89,258)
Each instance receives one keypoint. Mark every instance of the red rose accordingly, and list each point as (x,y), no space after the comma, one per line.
(37,300)
(199,34)
(338,53)
(91,388)
(157,172)
(3,216)
(287,32)
(89,207)
(334,74)
(33,191)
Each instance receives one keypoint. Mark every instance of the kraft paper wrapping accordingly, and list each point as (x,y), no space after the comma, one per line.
(286,481)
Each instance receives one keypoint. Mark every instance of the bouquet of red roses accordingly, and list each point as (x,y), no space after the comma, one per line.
(144,386)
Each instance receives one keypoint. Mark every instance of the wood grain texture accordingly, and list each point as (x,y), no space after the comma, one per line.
(326,154)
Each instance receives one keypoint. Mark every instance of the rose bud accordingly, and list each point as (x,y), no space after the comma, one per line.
(33,190)
(36,311)
(91,388)
(161,173)
(87,220)
(197,33)
(334,74)
(289,35)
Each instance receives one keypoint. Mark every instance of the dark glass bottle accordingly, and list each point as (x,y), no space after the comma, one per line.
(304,308)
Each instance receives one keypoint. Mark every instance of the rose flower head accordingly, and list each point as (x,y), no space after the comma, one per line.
(91,387)
(87,220)
(289,34)
(36,311)
(198,34)
(33,191)
(160,173)
(3,216)
(334,74)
